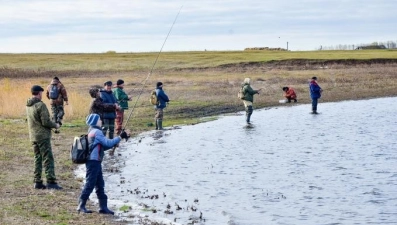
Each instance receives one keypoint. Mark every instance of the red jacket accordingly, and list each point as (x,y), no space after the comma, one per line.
(290,93)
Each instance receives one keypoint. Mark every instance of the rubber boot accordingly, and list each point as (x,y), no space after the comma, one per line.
(54,185)
(157,126)
(81,207)
(160,124)
(39,185)
(249,118)
(103,207)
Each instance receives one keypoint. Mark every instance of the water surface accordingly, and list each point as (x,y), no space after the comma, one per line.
(290,167)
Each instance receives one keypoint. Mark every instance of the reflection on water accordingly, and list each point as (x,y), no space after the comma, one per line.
(290,167)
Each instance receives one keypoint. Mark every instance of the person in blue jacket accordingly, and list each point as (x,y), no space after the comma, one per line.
(98,144)
(315,93)
(162,99)
(110,116)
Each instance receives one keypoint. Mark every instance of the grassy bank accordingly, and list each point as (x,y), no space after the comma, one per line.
(205,89)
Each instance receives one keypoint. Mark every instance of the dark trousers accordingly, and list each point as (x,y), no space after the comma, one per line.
(93,179)
(108,124)
(314,104)
(43,155)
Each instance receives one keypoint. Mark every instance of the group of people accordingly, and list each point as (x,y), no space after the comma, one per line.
(106,111)
(106,115)
(289,94)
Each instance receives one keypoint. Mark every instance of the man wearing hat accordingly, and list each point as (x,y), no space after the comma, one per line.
(57,94)
(108,116)
(315,93)
(162,99)
(122,99)
(40,124)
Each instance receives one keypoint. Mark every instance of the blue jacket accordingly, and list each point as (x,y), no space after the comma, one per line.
(162,98)
(315,90)
(99,143)
(108,98)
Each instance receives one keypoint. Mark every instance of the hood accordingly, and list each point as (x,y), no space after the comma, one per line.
(55,81)
(32,101)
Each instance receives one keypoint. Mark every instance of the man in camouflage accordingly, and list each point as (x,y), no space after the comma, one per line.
(40,125)
(57,104)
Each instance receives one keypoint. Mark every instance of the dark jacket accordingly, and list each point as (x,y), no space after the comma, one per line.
(162,98)
(63,95)
(109,99)
(99,143)
(39,121)
(315,90)
(248,92)
(98,107)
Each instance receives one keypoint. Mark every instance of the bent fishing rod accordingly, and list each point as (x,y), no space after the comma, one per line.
(149,74)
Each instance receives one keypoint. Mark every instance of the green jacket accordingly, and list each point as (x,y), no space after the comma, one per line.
(248,92)
(121,97)
(39,122)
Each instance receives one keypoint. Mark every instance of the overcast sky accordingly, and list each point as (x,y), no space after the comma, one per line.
(142,25)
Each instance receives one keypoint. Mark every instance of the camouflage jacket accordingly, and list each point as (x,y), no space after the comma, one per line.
(63,95)
(39,122)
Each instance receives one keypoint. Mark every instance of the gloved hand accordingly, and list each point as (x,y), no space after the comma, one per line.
(124,135)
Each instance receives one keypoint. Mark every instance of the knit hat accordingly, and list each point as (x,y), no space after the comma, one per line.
(159,84)
(108,83)
(120,82)
(36,88)
(92,119)
(314,78)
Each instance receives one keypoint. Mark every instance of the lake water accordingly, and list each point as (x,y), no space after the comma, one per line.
(290,167)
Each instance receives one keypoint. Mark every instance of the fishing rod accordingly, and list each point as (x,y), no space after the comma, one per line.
(147,77)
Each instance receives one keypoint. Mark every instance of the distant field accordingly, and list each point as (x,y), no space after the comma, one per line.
(172,60)
(199,84)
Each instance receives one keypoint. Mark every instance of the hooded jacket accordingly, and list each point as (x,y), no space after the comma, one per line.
(290,93)
(63,95)
(248,91)
(39,122)
(99,143)
(315,90)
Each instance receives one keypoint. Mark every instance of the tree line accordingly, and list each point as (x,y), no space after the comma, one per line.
(373,45)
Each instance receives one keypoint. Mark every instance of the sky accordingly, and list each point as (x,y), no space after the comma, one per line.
(96,26)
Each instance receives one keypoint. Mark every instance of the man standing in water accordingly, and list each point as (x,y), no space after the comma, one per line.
(315,93)
(248,98)
(40,125)
(162,99)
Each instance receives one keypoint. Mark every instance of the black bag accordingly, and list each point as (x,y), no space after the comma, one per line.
(80,151)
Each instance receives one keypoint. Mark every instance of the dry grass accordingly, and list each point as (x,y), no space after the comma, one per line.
(194,93)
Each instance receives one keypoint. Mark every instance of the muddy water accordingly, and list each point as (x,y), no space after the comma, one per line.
(290,167)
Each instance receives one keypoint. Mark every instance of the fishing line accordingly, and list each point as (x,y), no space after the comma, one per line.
(151,70)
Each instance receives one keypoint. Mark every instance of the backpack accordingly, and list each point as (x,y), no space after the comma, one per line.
(153,98)
(241,93)
(80,151)
(54,92)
